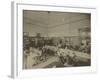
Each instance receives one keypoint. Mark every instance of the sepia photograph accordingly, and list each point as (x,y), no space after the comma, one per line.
(55,39)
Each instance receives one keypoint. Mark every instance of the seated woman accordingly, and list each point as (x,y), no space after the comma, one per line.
(25,55)
(36,55)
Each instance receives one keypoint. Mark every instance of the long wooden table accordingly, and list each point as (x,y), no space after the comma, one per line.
(77,53)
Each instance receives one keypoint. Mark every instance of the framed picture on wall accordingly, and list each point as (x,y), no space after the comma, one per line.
(54,44)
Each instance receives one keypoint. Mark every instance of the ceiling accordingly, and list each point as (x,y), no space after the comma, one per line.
(50,19)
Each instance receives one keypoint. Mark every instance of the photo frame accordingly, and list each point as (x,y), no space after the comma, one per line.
(17,70)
